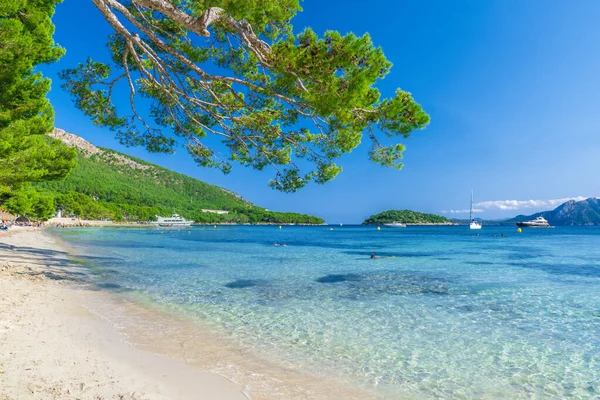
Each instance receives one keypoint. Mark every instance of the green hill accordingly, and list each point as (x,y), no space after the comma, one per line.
(405,217)
(112,185)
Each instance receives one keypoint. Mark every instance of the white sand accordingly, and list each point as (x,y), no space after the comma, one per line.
(51,347)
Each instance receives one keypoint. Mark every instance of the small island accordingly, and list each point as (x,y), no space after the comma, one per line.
(407,217)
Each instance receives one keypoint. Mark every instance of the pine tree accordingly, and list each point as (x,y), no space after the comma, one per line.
(235,70)
(26,153)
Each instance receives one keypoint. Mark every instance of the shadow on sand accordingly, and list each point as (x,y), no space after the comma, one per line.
(55,265)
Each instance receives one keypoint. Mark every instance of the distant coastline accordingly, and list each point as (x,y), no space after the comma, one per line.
(449,223)
(78,222)
(571,213)
(89,223)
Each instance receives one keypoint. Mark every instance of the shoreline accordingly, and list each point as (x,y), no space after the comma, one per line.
(51,346)
(89,223)
(111,350)
(77,222)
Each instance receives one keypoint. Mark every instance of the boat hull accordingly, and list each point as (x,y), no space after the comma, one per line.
(395,225)
(529,225)
(174,226)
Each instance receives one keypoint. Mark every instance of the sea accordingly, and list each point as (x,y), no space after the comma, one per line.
(440,312)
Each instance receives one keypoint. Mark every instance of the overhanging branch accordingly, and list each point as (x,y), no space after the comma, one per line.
(199,25)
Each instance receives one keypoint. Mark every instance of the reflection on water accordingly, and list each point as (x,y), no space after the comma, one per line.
(440,312)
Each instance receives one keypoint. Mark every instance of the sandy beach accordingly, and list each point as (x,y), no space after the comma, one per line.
(77,222)
(63,338)
(52,347)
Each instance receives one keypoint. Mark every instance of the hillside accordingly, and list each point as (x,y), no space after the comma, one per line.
(109,184)
(571,213)
(405,217)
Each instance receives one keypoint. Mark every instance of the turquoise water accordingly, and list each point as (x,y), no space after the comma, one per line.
(441,314)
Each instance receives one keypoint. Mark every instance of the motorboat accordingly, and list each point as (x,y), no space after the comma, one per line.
(174,221)
(539,222)
(395,225)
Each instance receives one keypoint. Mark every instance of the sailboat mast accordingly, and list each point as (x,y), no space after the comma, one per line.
(471,209)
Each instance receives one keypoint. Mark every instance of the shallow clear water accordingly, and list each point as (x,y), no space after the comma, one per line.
(442,313)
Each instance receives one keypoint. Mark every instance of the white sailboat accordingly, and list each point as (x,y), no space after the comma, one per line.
(472,223)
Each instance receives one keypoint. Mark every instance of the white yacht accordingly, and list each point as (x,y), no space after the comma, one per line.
(174,221)
(395,225)
(473,224)
(539,222)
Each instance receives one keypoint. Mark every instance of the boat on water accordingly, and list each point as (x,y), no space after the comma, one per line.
(473,224)
(174,221)
(539,222)
(395,225)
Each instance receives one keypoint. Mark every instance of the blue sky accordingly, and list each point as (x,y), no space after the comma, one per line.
(512,88)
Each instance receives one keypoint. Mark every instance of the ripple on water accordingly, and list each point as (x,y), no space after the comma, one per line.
(443,315)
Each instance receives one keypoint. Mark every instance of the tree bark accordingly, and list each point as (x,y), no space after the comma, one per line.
(199,25)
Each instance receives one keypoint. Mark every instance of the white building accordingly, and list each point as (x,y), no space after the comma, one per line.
(216,211)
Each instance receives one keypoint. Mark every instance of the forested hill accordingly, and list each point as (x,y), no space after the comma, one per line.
(405,217)
(109,184)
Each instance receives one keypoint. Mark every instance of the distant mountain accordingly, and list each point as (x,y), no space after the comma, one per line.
(573,213)
(405,217)
(109,184)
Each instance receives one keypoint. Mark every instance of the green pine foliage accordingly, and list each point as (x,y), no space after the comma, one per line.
(26,155)
(104,186)
(28,201)
(405,217)
(237,71)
